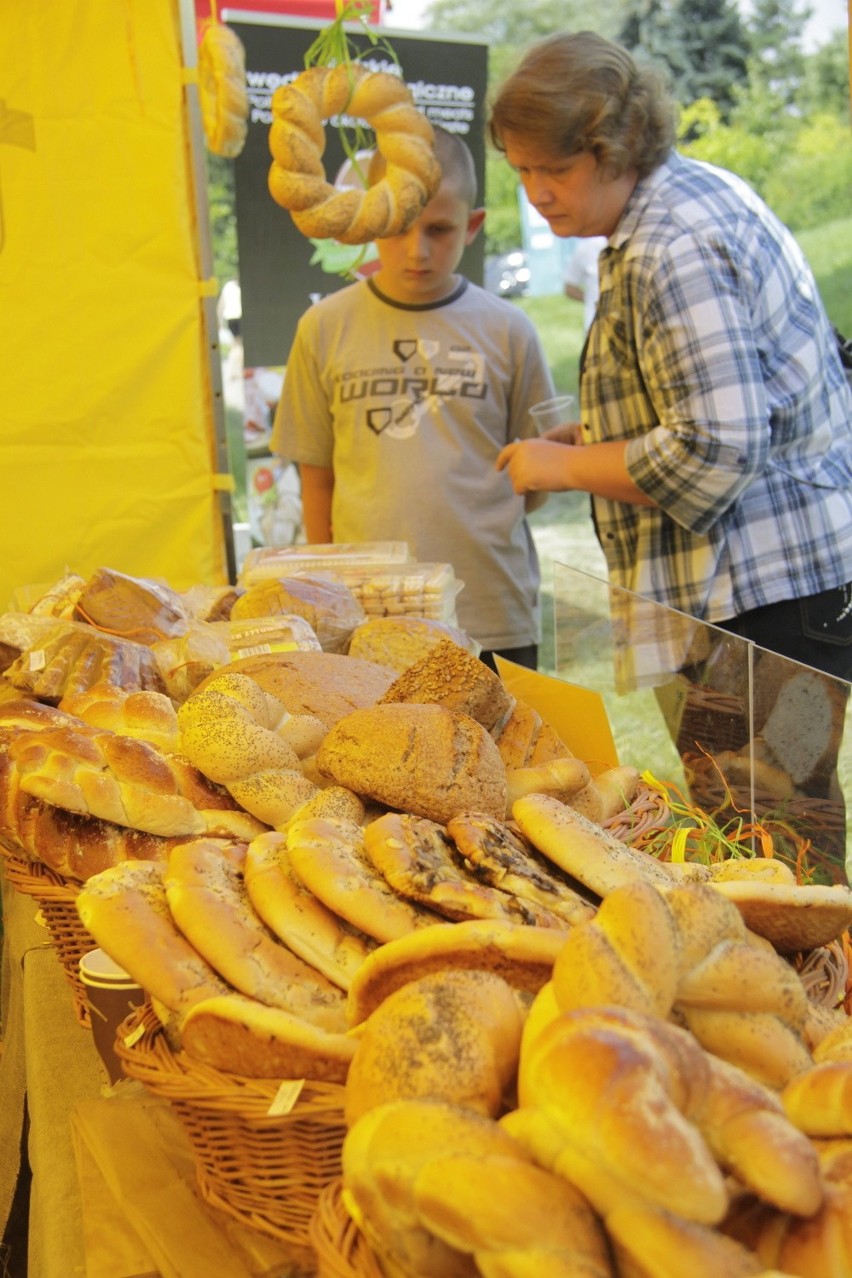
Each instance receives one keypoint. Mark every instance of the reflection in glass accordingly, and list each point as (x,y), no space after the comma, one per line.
(753,739)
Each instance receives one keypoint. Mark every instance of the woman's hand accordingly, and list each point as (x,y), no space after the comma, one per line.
(536,465)
(569,433)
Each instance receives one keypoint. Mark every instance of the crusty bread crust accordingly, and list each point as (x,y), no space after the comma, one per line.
(326,685)
(422,759)
(450,676)
(243,1036)
(297,139)
(522,955)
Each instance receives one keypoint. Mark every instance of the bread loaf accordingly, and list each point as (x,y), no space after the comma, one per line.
(399,642)
(95,772)
(447,675)
(134,608)
(146,716)
(243,1036)
(75,847)
(502,858)
(297,917)
(326,685)
(451,1034)
(72,656)
(126,911)
(326,855)
(421,759)
(329,607)
(522,955)
(383,1156)
(581,848)
(420,862)
(641,1109)
(209,902)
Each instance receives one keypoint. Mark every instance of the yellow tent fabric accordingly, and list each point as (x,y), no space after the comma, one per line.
(107,432)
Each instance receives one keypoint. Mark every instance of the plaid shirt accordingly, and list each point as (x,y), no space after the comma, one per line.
(712,355)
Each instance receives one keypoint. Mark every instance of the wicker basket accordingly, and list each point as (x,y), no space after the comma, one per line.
(56,897)
(341,1249)
(265,1170)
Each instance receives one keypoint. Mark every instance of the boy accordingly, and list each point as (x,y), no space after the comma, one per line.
(399,394)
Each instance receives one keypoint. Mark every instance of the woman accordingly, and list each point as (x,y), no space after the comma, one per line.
(716,438)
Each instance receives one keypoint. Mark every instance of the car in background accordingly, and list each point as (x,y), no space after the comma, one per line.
(508,274)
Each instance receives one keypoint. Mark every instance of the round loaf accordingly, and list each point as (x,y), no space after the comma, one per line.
(400,641)
(421,759)
(452,1034)
(326,685)
(448,675)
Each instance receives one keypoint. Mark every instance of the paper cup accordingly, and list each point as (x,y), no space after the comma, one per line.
(552,412)
(112,996)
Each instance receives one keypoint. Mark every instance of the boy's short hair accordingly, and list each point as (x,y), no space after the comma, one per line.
(457,166)
(454,156)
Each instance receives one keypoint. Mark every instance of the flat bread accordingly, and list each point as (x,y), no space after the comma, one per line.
(503,858)
(243,1036)
(327,855)
(522,955)
(420,862)
(209,902)
(297,917)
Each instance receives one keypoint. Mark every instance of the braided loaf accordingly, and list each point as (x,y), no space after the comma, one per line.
(404,138)
(243,738)
(222,90)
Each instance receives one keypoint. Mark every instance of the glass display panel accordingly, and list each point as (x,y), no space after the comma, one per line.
(760,743)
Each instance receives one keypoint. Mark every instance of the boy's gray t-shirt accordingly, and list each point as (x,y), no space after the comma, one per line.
(411,405)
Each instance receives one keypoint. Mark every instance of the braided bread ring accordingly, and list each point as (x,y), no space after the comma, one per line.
(222,90)
(404,138)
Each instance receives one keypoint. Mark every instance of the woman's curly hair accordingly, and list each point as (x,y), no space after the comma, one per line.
(580,92)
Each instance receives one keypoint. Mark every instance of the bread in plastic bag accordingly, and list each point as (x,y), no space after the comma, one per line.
(400,641)
(329,607)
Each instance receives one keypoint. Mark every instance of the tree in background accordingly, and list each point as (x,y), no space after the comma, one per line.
(703,45)
(223,218)
(825,84)
(777,62)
